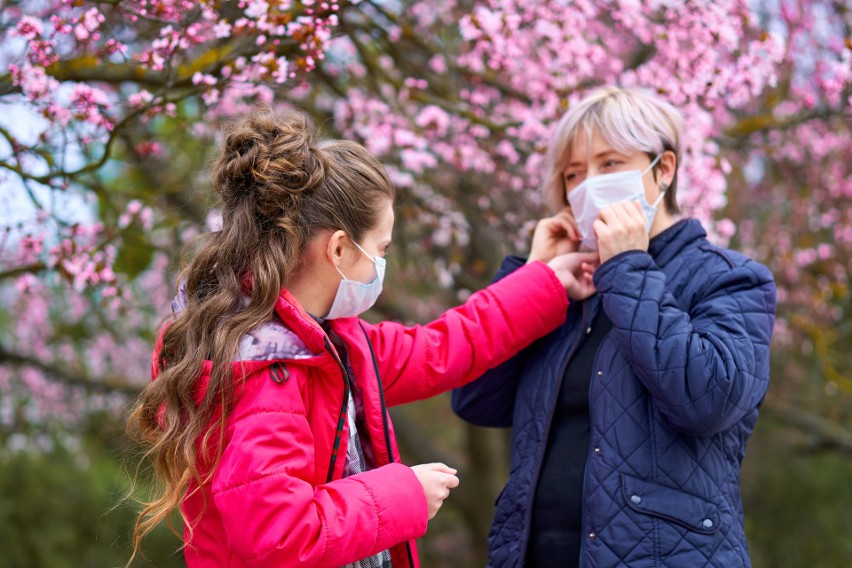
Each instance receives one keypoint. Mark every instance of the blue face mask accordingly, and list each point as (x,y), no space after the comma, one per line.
(354,298)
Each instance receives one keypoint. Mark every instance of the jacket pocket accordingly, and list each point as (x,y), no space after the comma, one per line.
(685,509)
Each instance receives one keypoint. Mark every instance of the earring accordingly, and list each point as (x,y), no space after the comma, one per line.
(664,187)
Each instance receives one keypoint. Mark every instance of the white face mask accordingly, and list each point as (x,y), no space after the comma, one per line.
(596,192)
(354,298)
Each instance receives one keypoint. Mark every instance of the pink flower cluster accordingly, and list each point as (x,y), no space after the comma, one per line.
(521,64)
(137,212)
(80,260)
(64,42)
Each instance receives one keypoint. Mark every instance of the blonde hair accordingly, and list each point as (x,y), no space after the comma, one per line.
(629,119)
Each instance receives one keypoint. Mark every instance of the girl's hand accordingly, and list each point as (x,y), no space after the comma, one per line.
(575,271)
(554,236)
(437,479)
(621,227)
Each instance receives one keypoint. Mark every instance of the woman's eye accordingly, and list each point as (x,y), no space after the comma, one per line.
(612,163)
(570,177)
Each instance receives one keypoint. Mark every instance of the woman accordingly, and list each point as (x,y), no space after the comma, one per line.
(267,419)
(629,421)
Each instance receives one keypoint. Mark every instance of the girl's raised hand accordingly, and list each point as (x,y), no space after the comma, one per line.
(575,271)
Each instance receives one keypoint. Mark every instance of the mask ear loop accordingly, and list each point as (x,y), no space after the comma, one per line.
(362,250)
(372,258)
(663,186)
(651,165)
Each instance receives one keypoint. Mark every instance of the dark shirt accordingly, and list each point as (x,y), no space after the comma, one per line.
(558,503)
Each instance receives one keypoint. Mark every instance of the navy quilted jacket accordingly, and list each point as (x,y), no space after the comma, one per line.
(673,399)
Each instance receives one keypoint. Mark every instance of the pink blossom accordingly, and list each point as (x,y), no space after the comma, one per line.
(140,99)
(417,161)
(199,78)
(433,117)
(29,27)
(149,148)
(34,82)
(256,8)
(726,228)
(88,23)
(222,29)
(438,64)
(30,248)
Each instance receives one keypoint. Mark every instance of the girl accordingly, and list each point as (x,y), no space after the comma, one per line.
(267,420)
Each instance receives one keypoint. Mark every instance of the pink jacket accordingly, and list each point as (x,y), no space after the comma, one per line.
(278,498)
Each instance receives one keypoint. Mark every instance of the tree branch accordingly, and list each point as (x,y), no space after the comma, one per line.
(111,384)
(830,434)
(21,270)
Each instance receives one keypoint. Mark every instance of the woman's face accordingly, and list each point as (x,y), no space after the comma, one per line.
(358,266)
(597,157)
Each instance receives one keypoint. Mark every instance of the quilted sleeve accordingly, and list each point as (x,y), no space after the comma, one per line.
(704,369)
(492,325)
(274,516)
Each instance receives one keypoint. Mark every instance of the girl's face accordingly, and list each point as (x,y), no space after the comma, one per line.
(597,157)
(358,266)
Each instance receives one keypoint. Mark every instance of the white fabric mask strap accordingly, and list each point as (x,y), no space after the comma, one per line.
(365,252)
(648,169)
(362,250)
(652,164)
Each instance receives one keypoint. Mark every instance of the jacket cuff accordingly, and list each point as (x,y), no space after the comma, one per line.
(400,503)
(609,272)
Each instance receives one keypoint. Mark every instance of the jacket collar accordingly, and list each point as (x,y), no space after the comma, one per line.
(670,242)
(294,317)
(291,313)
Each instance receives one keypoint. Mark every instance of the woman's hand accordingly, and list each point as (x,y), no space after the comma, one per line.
(621,227)
(437,479)
(554,236)
(575,270)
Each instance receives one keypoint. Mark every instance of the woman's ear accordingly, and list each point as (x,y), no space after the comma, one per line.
(668,167)
(335,247)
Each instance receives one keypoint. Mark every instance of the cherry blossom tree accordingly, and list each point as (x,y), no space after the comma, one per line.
(110,108)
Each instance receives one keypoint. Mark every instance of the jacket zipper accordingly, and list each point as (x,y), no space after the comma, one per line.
(343,410)
(385,420)
(381,395)
(540,455)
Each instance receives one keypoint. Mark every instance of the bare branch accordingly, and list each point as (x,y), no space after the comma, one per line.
(830,434)
(21,270)
(110,384)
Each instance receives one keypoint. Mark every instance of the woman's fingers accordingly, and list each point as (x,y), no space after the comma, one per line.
(621,227)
